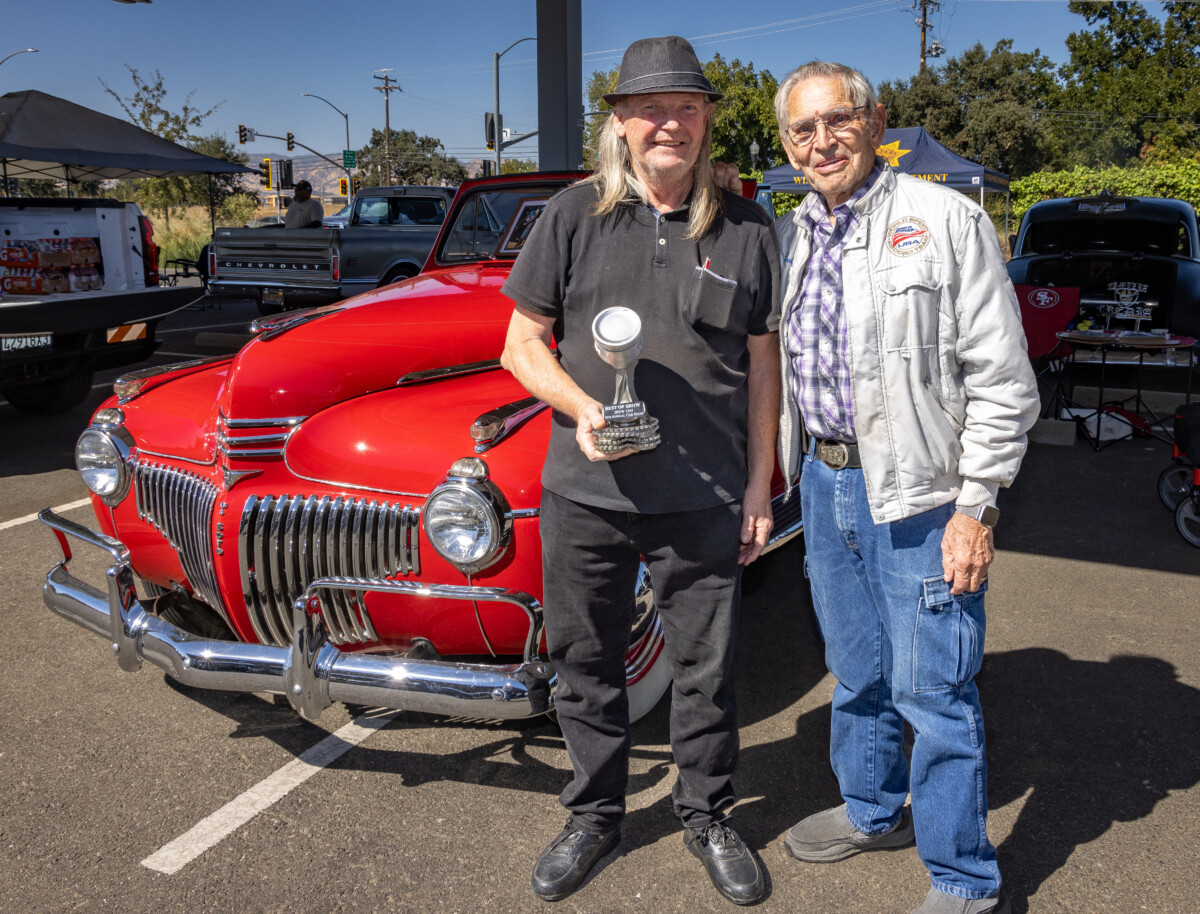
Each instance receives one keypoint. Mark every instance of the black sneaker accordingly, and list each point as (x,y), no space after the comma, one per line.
(731,866)
(568,859)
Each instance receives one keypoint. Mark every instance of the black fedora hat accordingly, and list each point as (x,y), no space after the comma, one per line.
(661,65)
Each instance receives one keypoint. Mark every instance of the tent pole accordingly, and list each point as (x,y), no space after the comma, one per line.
(1007,195)
(212,209)
(67,174)
(981,198)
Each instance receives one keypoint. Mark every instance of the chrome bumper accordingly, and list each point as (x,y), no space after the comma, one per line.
(311,672)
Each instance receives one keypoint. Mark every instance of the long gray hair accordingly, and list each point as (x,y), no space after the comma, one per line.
(618,184)
(854,84)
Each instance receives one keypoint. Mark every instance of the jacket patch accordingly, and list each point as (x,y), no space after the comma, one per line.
(907,236)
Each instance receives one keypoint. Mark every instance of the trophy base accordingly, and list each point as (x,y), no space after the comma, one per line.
(641,435)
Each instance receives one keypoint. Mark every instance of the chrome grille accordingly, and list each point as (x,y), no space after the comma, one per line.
(285,542)
(180,506)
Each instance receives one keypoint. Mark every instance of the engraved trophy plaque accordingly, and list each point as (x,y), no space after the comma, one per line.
(618,336)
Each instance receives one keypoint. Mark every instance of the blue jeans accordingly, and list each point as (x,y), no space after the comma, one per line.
(903,649)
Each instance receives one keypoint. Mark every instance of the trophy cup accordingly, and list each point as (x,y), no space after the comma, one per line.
(618,336)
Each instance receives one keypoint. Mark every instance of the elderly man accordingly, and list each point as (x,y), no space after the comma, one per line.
(907,397)
(651,232)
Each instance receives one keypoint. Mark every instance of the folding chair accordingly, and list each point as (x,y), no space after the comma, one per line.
(1046,311)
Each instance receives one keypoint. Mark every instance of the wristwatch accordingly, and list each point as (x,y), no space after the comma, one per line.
(985,514)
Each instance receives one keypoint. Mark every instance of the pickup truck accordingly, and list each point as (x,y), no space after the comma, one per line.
(1134,259)
(79,291)
(390,233)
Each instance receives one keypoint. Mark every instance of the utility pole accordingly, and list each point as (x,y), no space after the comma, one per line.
(389,86)
(927,7)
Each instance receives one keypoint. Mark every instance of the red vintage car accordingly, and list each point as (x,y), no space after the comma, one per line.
(347,509)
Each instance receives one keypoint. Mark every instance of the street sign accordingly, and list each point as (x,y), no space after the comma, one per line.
(349,158)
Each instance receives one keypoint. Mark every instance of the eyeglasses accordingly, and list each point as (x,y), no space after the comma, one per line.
(839,120)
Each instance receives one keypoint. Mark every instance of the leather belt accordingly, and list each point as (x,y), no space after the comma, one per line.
(837,455)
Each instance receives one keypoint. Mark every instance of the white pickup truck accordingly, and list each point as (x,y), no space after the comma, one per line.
(79,291)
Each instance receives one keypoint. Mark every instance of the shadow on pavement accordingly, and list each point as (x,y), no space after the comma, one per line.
(1091,743)
(1075,503)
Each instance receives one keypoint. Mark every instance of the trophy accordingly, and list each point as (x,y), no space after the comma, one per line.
(618,336)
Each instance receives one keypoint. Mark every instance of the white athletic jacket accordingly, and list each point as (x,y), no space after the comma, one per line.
(943,390)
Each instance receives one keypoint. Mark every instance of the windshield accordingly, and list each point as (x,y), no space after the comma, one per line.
(400,210)
(485,216)
(1078,236)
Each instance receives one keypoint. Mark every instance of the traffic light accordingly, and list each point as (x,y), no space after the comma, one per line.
(489,129)
(291,142)
(264,173)
(357,184)
(343,187)
(242,134)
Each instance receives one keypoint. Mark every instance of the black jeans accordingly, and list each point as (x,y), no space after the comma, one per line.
(590,560)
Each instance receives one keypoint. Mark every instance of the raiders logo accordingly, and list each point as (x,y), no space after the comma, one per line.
(907,236)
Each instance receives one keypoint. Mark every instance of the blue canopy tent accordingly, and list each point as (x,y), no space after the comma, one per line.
(913,151)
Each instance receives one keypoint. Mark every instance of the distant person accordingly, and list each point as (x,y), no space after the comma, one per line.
(303,211)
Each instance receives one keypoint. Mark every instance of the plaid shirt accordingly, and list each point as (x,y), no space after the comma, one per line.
(824,392)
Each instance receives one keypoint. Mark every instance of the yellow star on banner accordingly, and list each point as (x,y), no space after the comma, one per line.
(893,153)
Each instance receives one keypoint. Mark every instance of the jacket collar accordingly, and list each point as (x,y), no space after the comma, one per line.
(869,202)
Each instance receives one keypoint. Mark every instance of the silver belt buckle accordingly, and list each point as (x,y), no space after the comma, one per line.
(834,454)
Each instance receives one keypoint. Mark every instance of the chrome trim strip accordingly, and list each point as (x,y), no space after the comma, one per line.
(521,513)
(449,371)
(279,437)
(338,484)
(266,452)
(200,463)
(259,423)
(142,375)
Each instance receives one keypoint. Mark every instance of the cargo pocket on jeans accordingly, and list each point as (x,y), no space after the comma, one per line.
(948,640)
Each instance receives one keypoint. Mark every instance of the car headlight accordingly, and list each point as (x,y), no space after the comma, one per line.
(467,519)
(100,457)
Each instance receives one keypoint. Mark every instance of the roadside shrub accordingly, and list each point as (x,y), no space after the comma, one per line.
(1178,180)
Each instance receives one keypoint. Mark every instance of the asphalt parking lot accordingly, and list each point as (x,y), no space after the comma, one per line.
(124,792)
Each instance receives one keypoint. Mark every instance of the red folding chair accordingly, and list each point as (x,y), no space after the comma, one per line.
(1045,312)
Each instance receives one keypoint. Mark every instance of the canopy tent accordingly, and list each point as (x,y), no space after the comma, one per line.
(913,151)
(42,136)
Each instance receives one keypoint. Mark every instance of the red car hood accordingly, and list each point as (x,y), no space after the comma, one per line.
(368,342)
(403,441)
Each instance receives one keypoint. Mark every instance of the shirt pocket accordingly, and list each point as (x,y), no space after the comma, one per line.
(712,303)
(948,640)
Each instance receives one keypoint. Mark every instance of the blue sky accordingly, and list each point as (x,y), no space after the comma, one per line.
(256,59)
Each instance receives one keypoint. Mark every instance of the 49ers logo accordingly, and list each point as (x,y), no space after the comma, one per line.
(907,236)
(1042,298)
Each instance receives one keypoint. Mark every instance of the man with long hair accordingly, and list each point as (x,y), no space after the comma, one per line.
(651,232)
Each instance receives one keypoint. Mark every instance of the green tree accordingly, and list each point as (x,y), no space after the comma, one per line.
(1131,86)
(987,106)
(147,108)
(746,114)
(517,166)
(414,160)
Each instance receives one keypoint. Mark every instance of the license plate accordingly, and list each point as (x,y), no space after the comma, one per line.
(272,296)
(26,343)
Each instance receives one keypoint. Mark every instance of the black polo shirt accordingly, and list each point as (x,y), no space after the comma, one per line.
(695,322)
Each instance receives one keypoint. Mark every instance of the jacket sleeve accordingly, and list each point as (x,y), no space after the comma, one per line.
(1002,401)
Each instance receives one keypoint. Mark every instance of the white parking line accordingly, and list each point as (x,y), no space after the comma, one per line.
(15,522)
(240,810)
